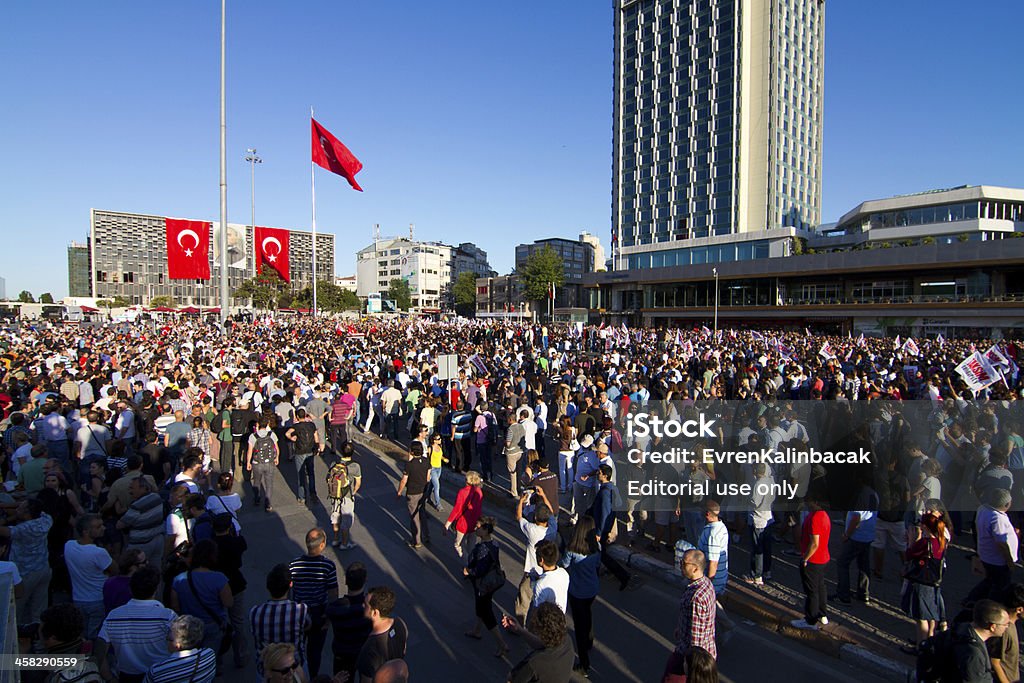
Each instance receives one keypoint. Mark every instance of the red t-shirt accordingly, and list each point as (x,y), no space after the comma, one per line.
(816,524)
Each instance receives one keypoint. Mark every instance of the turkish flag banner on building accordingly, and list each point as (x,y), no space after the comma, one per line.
(272,250)
(188,249)
(329,153)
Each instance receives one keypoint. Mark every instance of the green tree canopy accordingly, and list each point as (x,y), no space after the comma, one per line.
(464,291)
(542,268)
(398,291)
(263,290)
(26,297)
(117,302)
(163,300)
(331,297)
(46,298)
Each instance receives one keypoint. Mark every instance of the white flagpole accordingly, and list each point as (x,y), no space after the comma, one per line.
(224,290)
(312,185)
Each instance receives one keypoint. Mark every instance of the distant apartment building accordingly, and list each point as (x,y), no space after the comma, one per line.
(429,268)
(579,257)
(346,282)
(79,269)
(502,297)
(128,258)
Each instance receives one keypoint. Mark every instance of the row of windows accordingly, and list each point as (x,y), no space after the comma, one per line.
(722,253)
(924,216)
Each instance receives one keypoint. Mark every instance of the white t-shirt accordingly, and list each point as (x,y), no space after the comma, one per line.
(183,478)
(552,586)
(86,565)
(534,534)
(12,569)
(176,527)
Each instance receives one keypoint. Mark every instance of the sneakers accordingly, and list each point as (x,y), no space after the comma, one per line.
(804,625)
(300,501)
(755,580)
(347,546)
(823,621)
(581,671)
(336,544)
(836,598)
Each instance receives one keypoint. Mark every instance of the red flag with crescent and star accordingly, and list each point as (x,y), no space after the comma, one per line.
(329,153)
(272,250)
(188,249)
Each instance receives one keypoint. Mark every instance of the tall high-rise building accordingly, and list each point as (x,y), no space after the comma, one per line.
(717,127)
(79,270)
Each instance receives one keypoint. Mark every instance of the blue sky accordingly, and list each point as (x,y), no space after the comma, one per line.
(482,122)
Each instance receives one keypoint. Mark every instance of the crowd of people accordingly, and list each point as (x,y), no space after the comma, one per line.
(128,449)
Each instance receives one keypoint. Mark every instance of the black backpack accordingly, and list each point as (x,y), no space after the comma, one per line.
(492,428)
(934,657)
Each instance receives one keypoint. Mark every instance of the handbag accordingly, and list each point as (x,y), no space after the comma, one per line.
(494,578)
(926,570)
(225,627)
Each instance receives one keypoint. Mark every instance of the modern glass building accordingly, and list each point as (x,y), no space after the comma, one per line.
(717,123)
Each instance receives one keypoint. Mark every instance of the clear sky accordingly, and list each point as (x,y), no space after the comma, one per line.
(484,122)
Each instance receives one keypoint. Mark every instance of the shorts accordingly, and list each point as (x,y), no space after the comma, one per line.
(893,533)
(343,512)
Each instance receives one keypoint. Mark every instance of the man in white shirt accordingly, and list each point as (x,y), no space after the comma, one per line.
(552,583)
(542,528)
(89,565)
(137,631)
(529,426)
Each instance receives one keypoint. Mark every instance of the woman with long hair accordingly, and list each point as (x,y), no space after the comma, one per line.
(484,559)
(582,559)
(922,590)
(566,453)
(467,510)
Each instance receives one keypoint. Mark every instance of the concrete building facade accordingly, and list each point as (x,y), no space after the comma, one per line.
(79,269)
(128,256)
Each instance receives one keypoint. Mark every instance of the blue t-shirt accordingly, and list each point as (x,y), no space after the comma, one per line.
(208,585)
(867,502)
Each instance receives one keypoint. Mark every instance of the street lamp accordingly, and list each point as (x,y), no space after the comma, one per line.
(253,160)
(199,299)
(714,272)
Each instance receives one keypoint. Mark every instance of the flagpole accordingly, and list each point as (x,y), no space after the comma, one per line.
(224,291)
(312,186)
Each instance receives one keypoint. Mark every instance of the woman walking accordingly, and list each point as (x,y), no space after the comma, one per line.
(567,446)
(204,593)
(467,510)
(484,571)
(437,459)
(582,559)
(922,591)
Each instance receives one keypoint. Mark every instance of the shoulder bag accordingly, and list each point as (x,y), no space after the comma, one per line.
(226,629)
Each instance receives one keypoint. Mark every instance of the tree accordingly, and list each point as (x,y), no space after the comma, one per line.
(540,270)
(117,302)
(46,298)
(398,291)
(263,290)
(331,297)
(164,301)
(26,297)
(464,291)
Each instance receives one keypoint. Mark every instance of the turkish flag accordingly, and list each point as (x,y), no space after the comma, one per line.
(272,250)
(188,249)
(329,153)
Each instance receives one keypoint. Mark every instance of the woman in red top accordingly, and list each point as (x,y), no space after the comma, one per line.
(467,510)
(814,535)
(922,591)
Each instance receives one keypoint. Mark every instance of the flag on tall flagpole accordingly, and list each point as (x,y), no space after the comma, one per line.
(272,249)
(188,249)
(330,153)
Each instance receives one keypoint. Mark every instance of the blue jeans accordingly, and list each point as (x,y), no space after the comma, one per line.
(761,551)
(859,552)
(483,454)
(304,475)
(435,479)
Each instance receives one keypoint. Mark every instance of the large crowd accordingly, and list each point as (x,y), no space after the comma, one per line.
(128,448)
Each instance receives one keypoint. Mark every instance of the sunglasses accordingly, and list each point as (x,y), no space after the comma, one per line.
(288,669)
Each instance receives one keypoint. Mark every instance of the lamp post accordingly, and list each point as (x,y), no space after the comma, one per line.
(714,272)
(250,156)
(199,299)
(224,292)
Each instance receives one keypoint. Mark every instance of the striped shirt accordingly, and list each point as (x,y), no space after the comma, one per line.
(138,633)
(183,666)
(313,577)
(279,621)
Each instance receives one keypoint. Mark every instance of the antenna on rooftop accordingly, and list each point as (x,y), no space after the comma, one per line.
(376,232)
(412,227)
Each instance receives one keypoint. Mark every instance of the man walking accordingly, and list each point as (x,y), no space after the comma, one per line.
(262,459)
(136,631)
(414,483)
(814,535)
(341,412)
(305,443)
(314,583)
(343,482)
(89,565)
(349,622)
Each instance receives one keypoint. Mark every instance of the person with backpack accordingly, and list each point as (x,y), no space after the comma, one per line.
(262,459)
(243,419)
(922,595)
(305,443)
(343,482)
(485,429)
(960,655)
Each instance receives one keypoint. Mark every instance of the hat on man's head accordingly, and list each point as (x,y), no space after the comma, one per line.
(587,441)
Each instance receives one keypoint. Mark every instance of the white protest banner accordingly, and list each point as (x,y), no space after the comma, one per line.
(977,372)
